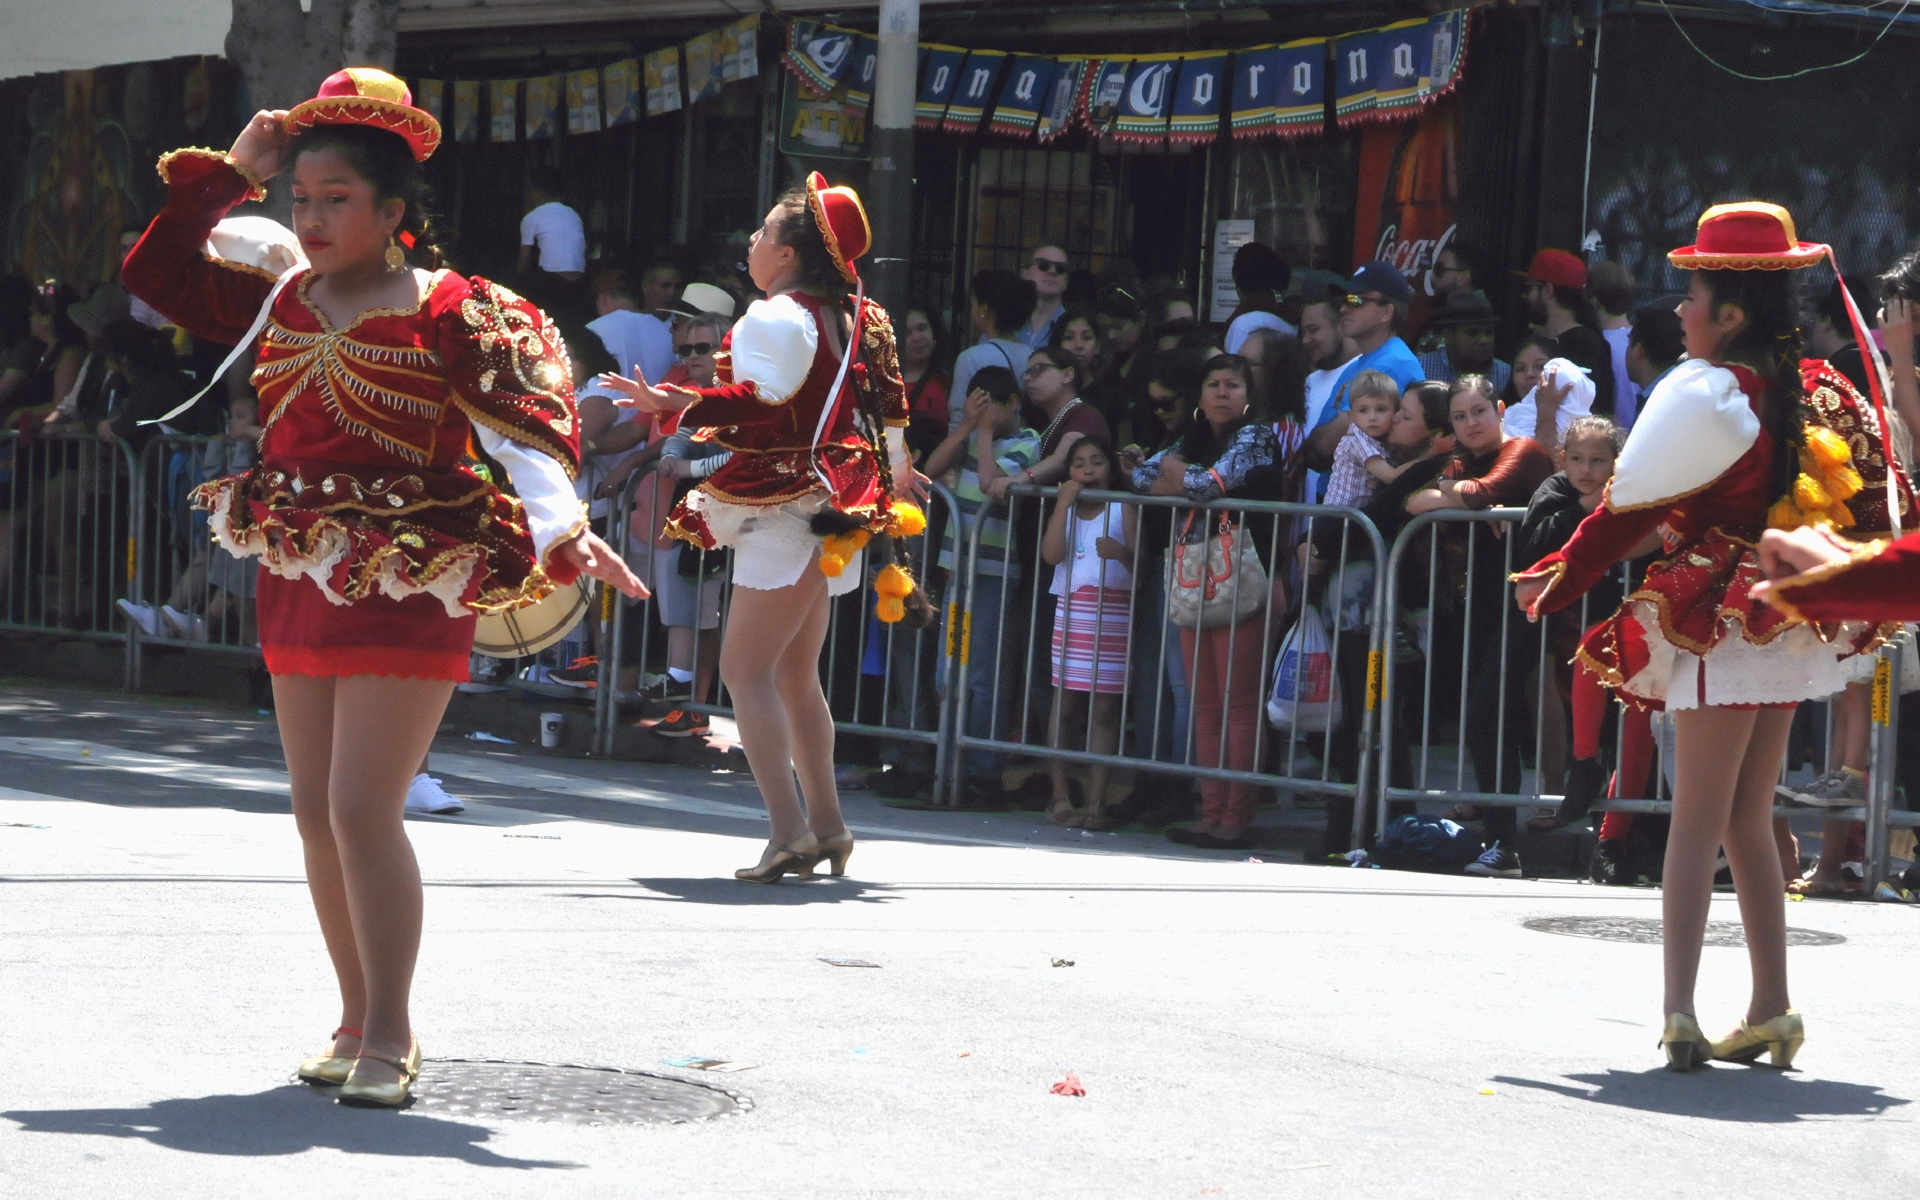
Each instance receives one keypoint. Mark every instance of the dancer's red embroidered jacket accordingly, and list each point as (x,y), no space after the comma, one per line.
(1701,473)
(1879,581)
(769,411)
(359,487)
(1834,403)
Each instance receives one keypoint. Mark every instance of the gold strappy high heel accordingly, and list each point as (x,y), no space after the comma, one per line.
(329,1069)
(795,858)
(1780,1038)
(1685,1045)
(835,851)
(365,1093)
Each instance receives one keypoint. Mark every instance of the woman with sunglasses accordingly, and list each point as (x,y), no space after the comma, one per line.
(1060,415)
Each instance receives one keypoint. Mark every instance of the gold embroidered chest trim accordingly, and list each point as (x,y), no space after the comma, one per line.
(337,368)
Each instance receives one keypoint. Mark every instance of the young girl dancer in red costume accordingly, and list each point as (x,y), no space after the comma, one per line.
(1719,453)
(816,415)
(378,547)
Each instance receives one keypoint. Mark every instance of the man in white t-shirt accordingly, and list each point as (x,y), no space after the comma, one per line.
(554,234)
(1330,354)
(638,341)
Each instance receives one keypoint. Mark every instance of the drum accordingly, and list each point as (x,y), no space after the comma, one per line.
(524,632)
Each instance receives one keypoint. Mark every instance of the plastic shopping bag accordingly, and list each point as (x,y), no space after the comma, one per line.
(1306,695)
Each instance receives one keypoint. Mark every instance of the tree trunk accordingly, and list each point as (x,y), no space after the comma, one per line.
(284,53)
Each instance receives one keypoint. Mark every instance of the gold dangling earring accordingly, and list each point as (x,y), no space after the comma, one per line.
(396,257)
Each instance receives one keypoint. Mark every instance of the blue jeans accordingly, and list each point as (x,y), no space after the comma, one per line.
(987,701)
(1160,728)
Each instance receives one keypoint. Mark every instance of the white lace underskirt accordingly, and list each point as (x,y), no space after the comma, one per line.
(773,544)
(1794,666)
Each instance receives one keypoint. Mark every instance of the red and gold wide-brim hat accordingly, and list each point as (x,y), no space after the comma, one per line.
(1749,236)
(842,221)
(369,96)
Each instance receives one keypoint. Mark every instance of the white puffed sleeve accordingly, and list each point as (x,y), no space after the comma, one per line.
(773,347)
(897,453)
(1695,425)
(554,513)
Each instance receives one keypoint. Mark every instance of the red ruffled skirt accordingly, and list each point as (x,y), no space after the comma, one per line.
(1691,635)
(374,569)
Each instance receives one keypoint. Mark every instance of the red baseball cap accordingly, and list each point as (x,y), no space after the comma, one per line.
(1557,267)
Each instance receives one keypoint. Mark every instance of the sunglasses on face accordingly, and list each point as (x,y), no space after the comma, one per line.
(696,348)
(1354,301)
(1050,266)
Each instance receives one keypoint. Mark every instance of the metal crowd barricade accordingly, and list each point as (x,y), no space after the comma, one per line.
(196,597)
(899,708)
(1516,636)
(992,592)
(65,531)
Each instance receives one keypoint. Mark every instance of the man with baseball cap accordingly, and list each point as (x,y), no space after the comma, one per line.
(1373,307)
(1554,286)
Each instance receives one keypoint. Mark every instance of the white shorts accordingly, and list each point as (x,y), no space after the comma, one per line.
(776,545)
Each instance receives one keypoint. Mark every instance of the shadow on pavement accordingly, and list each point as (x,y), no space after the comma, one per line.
(1723,1093)
(822,890)
(284,1120)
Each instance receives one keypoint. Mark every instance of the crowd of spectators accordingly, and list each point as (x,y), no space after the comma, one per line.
(1313,390)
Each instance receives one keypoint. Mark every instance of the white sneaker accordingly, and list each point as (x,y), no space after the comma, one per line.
(183,625)
(426,795)
(141,615)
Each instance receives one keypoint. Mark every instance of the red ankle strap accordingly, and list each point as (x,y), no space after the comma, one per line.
(349,1030)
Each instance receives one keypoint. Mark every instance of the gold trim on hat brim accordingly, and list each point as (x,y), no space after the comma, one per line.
(417,126)
(1804,254)
(826,228)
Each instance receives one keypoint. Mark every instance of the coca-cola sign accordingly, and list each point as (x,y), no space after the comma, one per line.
(1409,194)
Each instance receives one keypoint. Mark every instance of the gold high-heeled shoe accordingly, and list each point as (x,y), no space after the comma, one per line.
(795,858)
(1780,1038)
(329,1069)
(835,851)
(1685,1045)
(365,1093)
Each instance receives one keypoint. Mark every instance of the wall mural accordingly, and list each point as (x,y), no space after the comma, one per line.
(1836,148)
(88,141)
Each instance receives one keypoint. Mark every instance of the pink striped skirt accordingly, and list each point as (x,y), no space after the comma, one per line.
(1090,635)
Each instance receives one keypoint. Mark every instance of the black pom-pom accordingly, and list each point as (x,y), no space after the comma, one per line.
(831,522)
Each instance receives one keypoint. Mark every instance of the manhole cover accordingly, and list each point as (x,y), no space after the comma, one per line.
(1647,931)
(567,1094)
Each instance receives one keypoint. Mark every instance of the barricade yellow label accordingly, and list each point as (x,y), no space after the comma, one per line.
(966,636)
(1376,668)
(1882,691)
(953,630)
(133,556)
(606,604)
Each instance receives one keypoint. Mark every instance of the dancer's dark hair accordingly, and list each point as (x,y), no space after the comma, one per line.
(1769,343)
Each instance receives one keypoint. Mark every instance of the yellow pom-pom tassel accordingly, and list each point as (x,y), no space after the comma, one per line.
(892,581)
(1841,516)
(1784,514)
(857,540)
(908,520)
(1843,483)
(1810,494)
(1827,447)
(831,565)
(890,609)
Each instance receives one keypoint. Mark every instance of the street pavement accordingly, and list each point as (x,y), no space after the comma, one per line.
(1241,1028)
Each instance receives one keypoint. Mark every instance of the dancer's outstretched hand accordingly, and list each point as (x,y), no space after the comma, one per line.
(594,558)
(911,486)
(638,393)
(1785,553)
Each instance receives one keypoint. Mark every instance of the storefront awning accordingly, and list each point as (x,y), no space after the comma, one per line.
(70,35)
(488,14)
